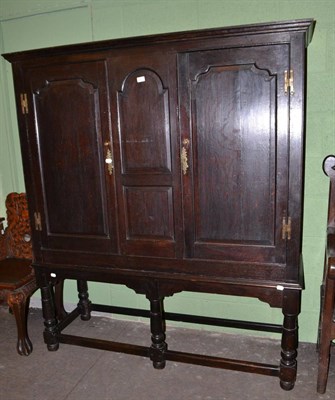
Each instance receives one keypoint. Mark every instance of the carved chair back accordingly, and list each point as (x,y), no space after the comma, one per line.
(17,279)
(16,239)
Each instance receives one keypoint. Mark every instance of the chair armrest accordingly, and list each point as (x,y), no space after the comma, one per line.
(330,252)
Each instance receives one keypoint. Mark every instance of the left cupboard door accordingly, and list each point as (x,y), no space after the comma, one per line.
(71,162)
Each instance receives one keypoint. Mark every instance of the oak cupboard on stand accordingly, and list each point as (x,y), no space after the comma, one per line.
(169,163)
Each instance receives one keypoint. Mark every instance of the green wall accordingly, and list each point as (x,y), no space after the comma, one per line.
(27,24)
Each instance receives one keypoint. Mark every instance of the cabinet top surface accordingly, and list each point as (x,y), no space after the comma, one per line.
(302,25)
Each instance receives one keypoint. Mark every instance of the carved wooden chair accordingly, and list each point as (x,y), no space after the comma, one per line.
(327,311)
(17,280)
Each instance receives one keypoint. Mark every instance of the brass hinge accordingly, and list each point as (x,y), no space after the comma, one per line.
(24,103)
(288,81)
(286,228)
(38,221)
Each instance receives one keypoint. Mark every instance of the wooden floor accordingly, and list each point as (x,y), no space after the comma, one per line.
(74,373)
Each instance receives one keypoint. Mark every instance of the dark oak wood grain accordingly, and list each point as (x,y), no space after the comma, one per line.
(169,163)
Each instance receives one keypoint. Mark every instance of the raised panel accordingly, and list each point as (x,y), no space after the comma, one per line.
(67,126)
(68,118)
(235,114)
(149,213)
(143,111)
(147,186)
(233,111)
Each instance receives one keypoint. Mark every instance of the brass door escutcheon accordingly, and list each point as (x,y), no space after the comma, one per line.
(184,156)
(109,158)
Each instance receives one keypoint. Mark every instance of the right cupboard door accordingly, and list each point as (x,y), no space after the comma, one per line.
(234,117)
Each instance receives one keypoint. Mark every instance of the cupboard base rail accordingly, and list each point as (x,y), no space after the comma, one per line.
(55,321)
(188,358)
(194,319)
(177,356)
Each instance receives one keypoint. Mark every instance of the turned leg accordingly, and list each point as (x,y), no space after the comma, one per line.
(19,304)
(288,363)
(157,326)
(84,302)
(59,300)
(49,315)
(325,335)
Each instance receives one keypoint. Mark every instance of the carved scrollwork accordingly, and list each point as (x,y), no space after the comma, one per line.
(15,298)
(22,294)
(18,232)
